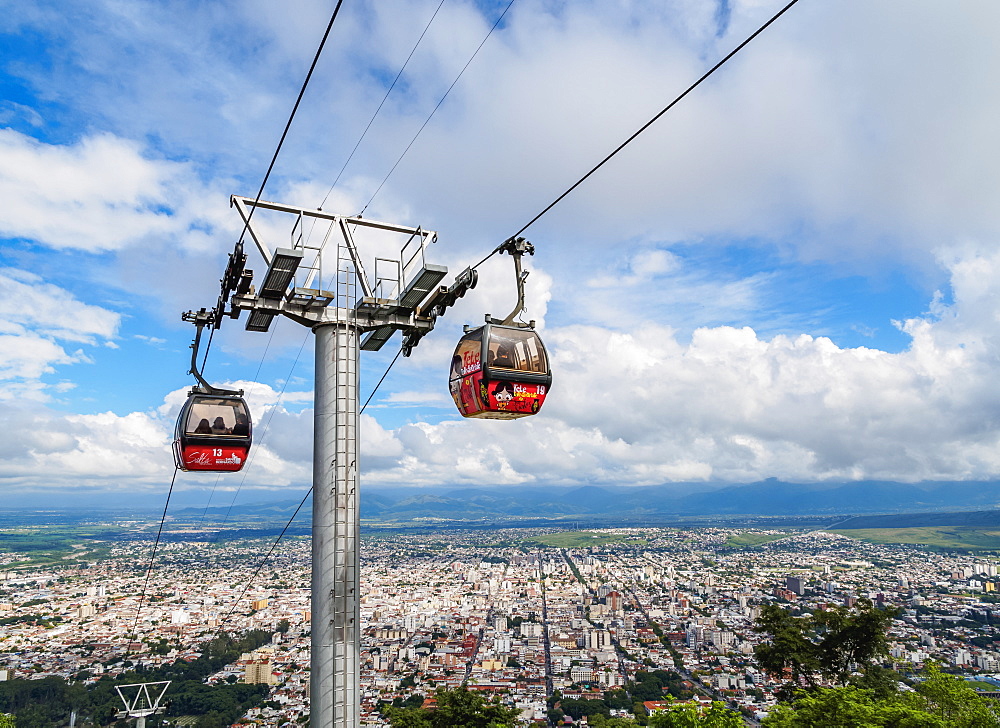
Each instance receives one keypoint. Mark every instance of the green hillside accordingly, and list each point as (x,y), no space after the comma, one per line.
(942,537)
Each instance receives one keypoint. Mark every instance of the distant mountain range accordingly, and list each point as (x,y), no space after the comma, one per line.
(767,498)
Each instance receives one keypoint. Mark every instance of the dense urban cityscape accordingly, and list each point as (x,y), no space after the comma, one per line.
(546,621)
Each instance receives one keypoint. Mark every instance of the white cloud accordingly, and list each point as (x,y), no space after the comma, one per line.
(821,125)
(421,397)
(640,268)
(97,195)
(36,320)
(27,300)
(29,357)
(817,137)
(857,133)
(640,407)
(633,407)
(43,448)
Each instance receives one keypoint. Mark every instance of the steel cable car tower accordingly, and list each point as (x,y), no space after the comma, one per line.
(142,701)
(339,303)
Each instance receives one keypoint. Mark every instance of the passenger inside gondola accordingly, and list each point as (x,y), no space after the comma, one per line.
(241,428)
(503,357)
(220,418)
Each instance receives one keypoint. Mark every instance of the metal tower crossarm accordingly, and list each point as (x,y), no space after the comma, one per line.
(309,303)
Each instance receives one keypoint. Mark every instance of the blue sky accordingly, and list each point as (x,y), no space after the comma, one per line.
(792,274)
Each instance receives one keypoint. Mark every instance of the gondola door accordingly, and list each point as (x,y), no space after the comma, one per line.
(465,381)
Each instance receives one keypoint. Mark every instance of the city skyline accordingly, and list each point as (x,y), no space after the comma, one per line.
(536,617)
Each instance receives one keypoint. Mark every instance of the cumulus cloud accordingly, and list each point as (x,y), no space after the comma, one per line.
(817,137)
(812,128)
(636,407)
(37,322)
(98,194)
(26,300)
(410,397)
(43,448)
(47,448)
(642,407)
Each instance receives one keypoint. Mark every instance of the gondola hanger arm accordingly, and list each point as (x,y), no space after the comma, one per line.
(202,318)
(516,247)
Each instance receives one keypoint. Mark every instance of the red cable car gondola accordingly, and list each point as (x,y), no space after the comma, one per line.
(214,430)
(501,370)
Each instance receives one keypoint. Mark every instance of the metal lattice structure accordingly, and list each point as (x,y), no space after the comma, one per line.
(142,700)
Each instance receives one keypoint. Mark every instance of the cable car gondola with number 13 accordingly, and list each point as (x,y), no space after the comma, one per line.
(214,430)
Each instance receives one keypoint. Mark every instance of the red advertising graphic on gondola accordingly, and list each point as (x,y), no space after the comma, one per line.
(226,459)
(466,374)
(503,396)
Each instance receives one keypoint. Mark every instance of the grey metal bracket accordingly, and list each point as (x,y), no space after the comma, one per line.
(414,282)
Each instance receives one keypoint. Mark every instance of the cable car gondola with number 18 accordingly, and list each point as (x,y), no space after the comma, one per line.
(501,370)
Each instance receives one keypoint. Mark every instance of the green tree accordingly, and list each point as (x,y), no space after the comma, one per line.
(939,701)
(7,721)
(825,643)
(954,700)
(599,721)
(585,707)
(882,681)
(458,708)
(852,635)
(848,707)
(414,701)
(691,716)
(213,719)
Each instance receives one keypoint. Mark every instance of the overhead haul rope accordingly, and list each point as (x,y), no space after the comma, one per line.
(643,128)
(382,379)
(291,116)
(260,366)
(434,111)
(284,134)
(264,430)
(260,192)
(152,556)
(381,104)
(372,120)
(246,226)
(263,561)
(384,375)
(288,525)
